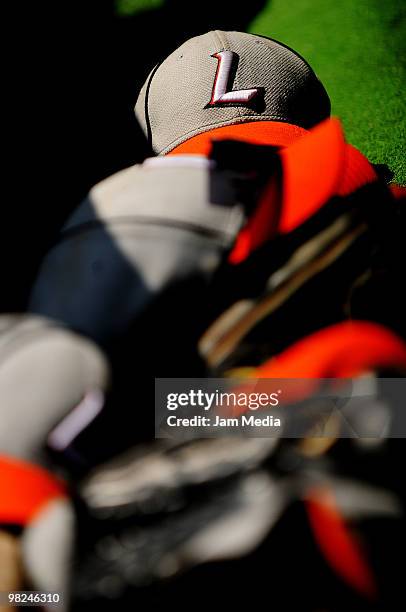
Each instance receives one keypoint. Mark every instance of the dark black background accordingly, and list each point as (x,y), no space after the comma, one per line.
(71,74)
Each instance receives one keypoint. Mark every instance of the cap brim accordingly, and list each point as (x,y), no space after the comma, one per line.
(272,133)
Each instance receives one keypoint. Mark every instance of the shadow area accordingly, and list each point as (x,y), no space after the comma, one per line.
(76,71)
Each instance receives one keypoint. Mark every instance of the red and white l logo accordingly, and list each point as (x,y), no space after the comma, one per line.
(227,61)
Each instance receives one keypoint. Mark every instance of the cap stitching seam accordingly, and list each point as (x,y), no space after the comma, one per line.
(223,41)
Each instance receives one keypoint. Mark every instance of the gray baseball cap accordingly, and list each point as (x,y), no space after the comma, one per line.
(229,84)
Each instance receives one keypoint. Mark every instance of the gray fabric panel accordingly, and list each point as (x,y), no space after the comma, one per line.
(44,373)
(138,232)
(47,550)
(166,193)
(99,280)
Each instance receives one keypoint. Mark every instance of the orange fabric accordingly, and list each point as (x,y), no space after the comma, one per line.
(335,541)
(343,350)
(398,192)
(318,167)
(357,172)
(260,227)
(311,173)
(24,489)
(315,168)
(309,178)
(275,133)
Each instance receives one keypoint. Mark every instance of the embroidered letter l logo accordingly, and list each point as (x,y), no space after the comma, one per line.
(220,95)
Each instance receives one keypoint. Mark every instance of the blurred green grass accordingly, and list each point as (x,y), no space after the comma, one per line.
(357,48)
(130,7)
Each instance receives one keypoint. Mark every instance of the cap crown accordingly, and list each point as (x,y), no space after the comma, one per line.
(222,78)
